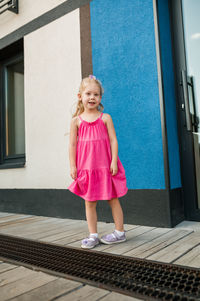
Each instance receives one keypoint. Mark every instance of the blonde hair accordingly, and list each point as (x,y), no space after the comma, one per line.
(85,81)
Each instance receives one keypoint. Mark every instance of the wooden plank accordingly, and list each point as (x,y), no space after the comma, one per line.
(31,227)
(189,225)
(43,223)
(44,219)
(42,232)
(116,296)
(46,232)
(192,258)
(157,244)
(177,249)
(5,214)
(18,222)
(13,217)
(6,267)
(75,228)
(70,237)
(86,292)
(32,222)
(63,235)
(34,280)
(14,274)
(134,241)
(50,290)
(57,229)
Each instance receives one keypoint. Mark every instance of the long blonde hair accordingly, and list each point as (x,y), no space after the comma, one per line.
(85,81)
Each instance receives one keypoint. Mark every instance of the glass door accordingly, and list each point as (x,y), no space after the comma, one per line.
(185,30)
(191,23)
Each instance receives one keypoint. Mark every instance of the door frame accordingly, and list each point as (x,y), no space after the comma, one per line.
(189,190)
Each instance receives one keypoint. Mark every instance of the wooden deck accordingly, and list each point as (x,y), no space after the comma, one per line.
(180,245)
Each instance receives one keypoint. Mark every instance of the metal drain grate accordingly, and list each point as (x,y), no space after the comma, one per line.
(144,279)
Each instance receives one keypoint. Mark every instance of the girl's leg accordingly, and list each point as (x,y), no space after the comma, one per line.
(117,214)
(91,215)
(119,234)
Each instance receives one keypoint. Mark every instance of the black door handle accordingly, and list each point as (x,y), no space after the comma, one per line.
(186,100)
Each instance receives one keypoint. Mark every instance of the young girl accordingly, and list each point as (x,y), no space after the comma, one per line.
(95,167)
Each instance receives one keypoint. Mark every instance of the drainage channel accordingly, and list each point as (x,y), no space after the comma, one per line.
(148,280)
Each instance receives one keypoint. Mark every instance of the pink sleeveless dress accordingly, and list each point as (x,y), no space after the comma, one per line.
(93,158)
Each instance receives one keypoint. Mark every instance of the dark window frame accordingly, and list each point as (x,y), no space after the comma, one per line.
(11,53)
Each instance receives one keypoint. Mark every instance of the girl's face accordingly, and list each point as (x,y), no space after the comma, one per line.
(90,96)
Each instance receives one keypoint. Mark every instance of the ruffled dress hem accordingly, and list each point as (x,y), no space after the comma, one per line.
(100,198)
(99,184)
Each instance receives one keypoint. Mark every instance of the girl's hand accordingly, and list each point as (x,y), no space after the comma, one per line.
(113,168)
(73,172)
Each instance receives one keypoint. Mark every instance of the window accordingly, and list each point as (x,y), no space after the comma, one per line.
(12,139)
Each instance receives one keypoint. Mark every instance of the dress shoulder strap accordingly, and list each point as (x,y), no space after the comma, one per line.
(80,118)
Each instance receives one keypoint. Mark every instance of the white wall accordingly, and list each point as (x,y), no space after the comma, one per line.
(52,78)
(28,10)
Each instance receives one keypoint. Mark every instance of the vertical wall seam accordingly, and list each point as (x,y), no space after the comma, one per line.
(162,106)
(85,40)
(161,97)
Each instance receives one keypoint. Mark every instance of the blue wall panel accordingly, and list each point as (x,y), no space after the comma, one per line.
(124,59)
(169,94)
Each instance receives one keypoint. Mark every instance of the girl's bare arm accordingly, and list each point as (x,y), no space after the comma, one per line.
(112,137)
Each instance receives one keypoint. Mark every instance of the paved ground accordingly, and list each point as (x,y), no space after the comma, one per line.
(180,245)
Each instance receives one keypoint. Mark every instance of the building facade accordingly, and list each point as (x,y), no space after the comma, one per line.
(148,65)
